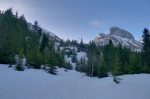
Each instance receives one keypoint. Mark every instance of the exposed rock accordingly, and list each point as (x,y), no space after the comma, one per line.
(117,36)
(121,33)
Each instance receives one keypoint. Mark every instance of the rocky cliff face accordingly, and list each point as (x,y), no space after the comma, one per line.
(121,33)
(118,35)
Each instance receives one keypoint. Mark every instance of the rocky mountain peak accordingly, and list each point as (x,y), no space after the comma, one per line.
(118,36)
(121,33)
(101,35)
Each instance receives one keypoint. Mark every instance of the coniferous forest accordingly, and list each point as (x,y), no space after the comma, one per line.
(19,38)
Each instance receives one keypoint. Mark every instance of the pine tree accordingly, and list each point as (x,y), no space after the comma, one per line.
(146,49)
(28,38)
(35,26)
(44,42)
(74,58)
(81,65)
(117,66)
(109,55)
(81,45)
(134,66)
(19,65)
(102,70)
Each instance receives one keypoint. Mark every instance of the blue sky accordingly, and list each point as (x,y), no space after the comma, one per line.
(84,18)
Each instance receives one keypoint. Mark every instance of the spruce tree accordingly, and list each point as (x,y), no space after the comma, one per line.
(102,70)
(117,66)
(44,42)
(19,65)
(146,49)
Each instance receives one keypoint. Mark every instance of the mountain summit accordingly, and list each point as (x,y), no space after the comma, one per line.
(121,33)
(118,36)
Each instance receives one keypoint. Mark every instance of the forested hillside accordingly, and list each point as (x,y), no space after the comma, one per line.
(20,39)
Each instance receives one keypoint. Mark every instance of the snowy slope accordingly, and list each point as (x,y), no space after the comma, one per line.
(81,55)
(118,35)
(37,84)
(52,35)
(69,60)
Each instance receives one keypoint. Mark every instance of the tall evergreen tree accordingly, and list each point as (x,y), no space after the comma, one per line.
(81,45)
(19,65)
(146,48)
(44,42)
(102,70)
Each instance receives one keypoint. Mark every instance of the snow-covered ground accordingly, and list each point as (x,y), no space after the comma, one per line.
(37,84)
(82,55)
(69,60)
(79,55)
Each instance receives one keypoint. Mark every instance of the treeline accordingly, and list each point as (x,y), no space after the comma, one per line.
(20,39)
(103,60)
(80,45)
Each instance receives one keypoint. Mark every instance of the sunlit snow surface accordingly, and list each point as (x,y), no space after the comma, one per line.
(37,84)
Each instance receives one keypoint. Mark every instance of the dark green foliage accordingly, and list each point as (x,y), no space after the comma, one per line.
(102,70)
(96,65)
(108,54)
(81,45)
(37,59)
(146,50)
(44,42)
(117,68)
(12,33)
(81,65)
(19,65)
(68,66)
(117,60)
(17,34)
(19,68)
(93,56)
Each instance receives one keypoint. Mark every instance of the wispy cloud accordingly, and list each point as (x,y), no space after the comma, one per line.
(95,23)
